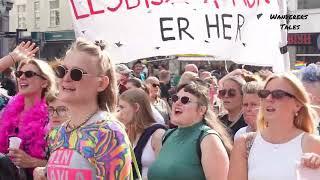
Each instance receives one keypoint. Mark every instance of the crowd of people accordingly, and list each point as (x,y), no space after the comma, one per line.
(84,118)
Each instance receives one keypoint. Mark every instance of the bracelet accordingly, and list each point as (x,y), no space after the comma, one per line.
(12,58)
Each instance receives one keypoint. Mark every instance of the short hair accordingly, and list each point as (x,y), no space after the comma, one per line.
(252,87)
(136,82)
(151,79)
(164,74)
(311,73)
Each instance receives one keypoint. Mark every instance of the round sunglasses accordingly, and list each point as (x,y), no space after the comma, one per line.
(183,99)
(230,92)
(27,74)
(60,111)
(75,73)
(275,94)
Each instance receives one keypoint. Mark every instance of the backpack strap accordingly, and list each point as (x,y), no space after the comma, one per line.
(143,140)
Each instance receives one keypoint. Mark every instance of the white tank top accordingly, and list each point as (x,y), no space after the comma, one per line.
(147,158)
(269,161)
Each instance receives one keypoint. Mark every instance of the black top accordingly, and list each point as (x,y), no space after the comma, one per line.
(10,86)
(165,90)
(235,127)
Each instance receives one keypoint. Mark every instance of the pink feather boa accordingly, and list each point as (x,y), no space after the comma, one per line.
(32,128)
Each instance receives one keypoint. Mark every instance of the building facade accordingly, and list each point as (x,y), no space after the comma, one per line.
(47,22)
(304,42)
(5,42)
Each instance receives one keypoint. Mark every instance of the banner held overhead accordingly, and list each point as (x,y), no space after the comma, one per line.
(238,30)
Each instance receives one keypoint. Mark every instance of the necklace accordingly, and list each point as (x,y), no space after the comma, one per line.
(83,123)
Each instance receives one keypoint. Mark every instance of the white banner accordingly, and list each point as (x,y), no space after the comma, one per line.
(238,30)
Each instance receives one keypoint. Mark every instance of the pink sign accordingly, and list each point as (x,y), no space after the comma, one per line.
(57,173)
(59,167)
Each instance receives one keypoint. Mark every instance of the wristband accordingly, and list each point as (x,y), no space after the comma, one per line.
(12,58)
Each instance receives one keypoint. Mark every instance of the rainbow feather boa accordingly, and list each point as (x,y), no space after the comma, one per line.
(32,128)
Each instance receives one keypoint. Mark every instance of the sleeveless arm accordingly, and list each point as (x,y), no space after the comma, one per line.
(156,140)
(213,150)
(112,155)
(238,169)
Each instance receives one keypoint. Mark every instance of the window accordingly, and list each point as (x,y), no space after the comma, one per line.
(21,16)
(54,13)
(308,4)
(37,14)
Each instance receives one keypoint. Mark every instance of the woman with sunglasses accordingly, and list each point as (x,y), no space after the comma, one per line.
(250,105)
(153,84)
(93,140)
(134,110)
(285,134)
(26,115)
(198,148)
(231,96)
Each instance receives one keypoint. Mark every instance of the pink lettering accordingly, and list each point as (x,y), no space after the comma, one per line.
(113,9)
(58,173)
(61,157)
(251,4)
(216,4)
(92,11)
(157,3)
(76,12)
(131,7)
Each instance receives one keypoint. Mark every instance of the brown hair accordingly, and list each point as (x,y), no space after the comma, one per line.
(47,72)
(107,99)
(136,82)
(306,115)
(143,118)
(164,74)
(199,90)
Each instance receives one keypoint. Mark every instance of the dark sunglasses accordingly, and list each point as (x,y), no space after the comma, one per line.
(183,99)
(155,85)
(61,111)
(276,94)
(27,74)
(75,73)
(230,92)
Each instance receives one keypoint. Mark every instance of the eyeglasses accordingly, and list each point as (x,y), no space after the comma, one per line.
(276,94)
(155,85)
(230,92)
(61,111)
(75,73)
(27,74)
(183,99)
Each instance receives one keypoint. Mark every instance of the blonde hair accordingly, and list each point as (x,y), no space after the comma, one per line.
(252,87)
(107,99)
(306,115)
(187,77)
(47,72)
(141,119)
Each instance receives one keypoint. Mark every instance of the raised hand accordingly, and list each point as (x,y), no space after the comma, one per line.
(23,51)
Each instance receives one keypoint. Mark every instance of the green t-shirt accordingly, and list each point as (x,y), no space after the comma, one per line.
(179,156)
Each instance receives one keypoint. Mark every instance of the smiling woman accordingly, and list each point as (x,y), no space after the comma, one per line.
(285,134)
(92,139)
(26,115)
